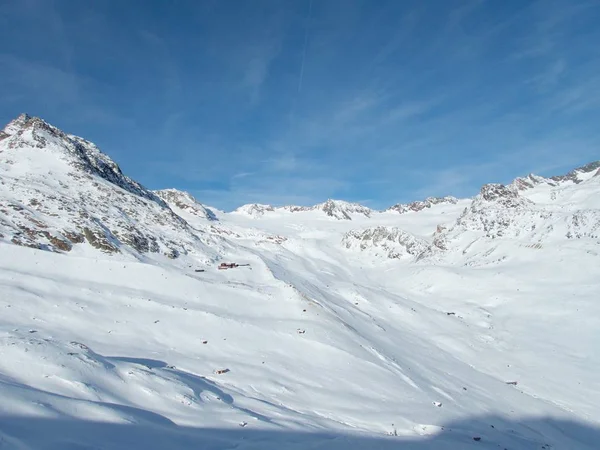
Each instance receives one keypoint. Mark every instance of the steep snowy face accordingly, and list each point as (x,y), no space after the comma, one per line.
(27,131)
(392,242)
(184,201)
(421,205)
(58,190)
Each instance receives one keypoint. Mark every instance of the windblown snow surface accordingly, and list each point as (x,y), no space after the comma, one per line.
(487,339)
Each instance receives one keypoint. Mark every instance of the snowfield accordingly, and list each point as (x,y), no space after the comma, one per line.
(448,324)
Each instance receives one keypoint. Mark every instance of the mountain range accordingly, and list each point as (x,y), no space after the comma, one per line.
(438,324)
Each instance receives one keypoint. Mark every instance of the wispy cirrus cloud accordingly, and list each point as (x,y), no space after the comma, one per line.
(397,99)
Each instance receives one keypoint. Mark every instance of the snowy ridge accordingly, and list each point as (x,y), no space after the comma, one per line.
(575,176)
(337,209)
(420,205)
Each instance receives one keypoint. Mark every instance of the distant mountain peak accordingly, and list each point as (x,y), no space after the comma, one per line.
(341,209)
(22,122)
(575,176)
(186,202)
(338,209)
(254,209)
(422,204)
(505,196)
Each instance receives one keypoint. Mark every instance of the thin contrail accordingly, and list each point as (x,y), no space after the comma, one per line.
(305,45)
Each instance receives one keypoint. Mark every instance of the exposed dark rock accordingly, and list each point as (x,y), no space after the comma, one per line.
(99,241)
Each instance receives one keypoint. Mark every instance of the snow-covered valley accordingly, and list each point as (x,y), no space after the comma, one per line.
(442,324)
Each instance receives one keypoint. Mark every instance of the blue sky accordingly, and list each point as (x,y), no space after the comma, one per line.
(376,101)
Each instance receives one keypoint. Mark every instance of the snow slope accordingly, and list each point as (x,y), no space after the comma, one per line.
(58,191)
(321,341)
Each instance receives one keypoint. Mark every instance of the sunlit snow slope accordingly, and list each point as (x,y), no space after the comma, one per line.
(452,325)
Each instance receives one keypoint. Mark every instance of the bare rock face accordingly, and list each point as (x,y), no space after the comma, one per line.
(501,195)
(342,210)
(59,191)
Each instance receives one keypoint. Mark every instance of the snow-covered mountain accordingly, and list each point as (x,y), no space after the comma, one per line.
(575,176)
(535,212)
(468,324)
(337,209)
(58,192)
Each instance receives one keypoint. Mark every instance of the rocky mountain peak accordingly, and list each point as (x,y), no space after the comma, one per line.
(32,132)
(422,204)
(58,191)
(501,195)
(24,122)
(21,122)
(343,210)
(185,201)
(493,192)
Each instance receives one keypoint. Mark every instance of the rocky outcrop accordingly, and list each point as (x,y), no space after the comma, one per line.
(342,210)
(184,201)
(390,242)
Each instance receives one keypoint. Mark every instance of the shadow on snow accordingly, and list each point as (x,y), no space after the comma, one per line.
(24,433)
(150,431)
